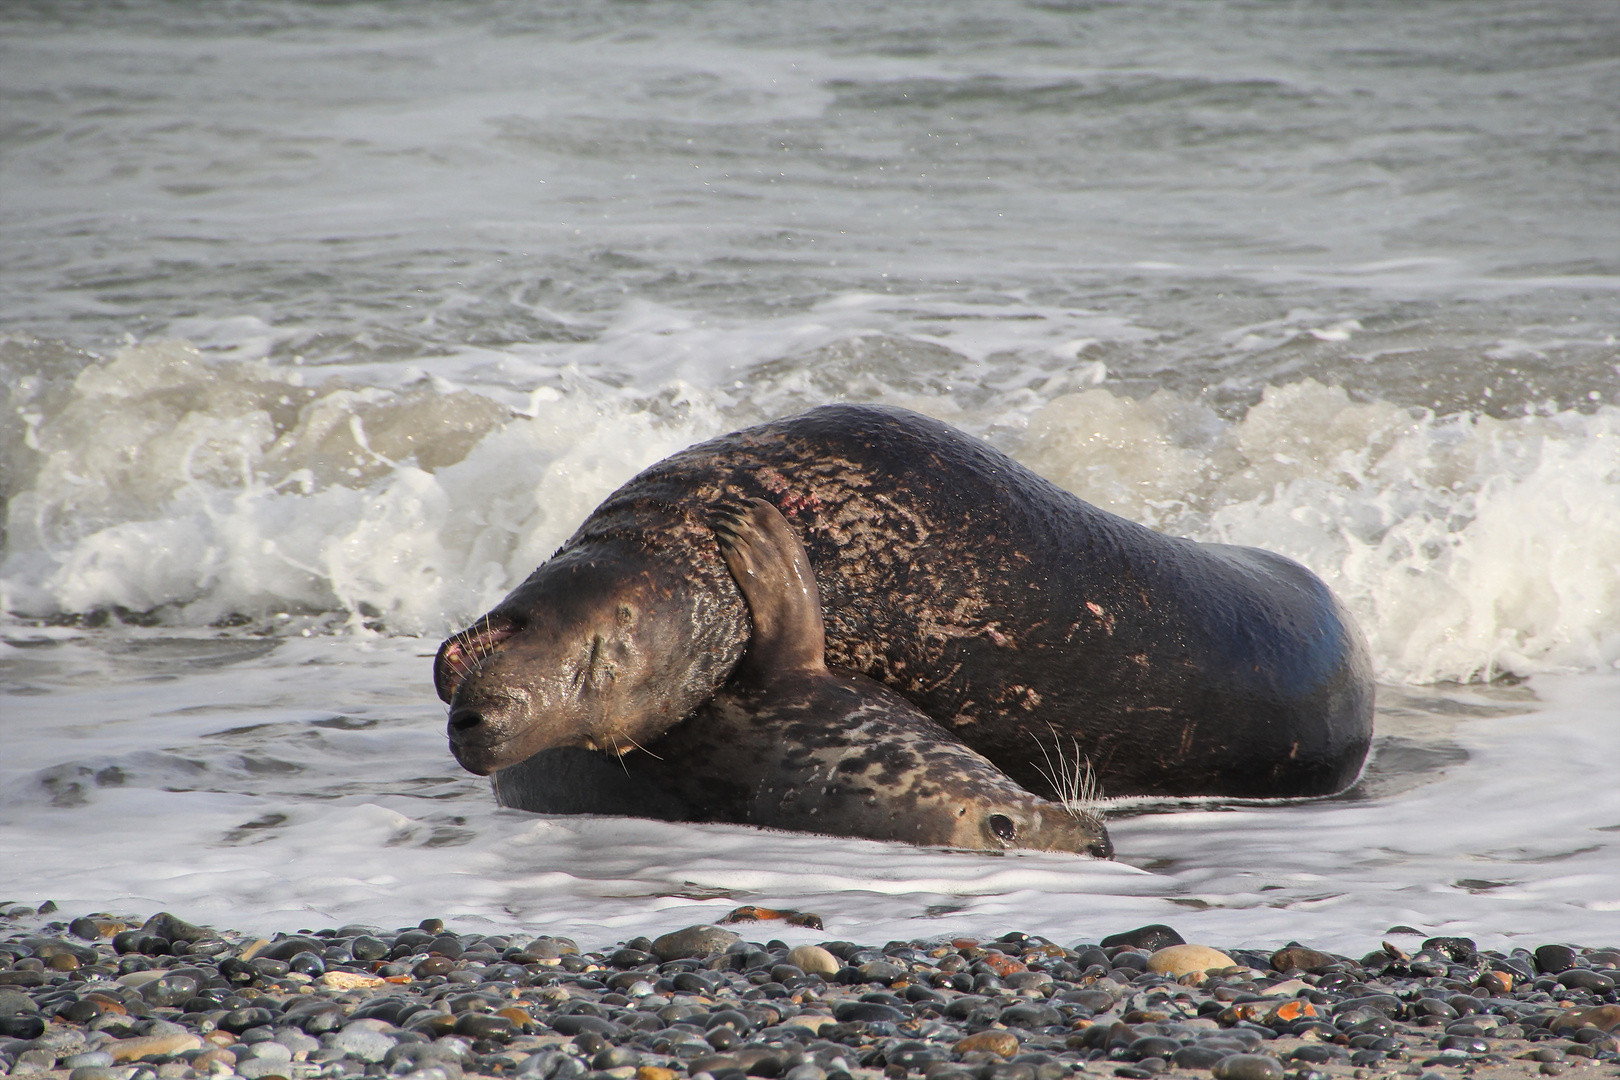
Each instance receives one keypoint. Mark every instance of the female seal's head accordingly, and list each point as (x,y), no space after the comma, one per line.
(579,655)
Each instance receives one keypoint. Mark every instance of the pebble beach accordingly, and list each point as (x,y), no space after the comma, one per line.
(98,997)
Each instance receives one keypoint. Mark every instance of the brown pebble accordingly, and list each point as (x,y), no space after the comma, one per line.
(1602,1017)
(63,962)
(655,1072)
(1004,1043)
(205,1060)
(434,965)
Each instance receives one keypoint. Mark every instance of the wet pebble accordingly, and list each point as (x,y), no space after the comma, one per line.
(436,1005)
(1248,1067)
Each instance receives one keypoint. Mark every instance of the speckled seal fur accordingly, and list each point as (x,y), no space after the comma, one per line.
(1003,607)
(789,744)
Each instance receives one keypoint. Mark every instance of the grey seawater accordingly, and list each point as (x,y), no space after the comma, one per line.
(387,181)
(725,211)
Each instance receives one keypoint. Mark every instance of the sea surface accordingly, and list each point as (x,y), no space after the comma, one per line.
(322,324)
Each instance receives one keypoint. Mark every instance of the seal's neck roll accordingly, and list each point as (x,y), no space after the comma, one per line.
(774,575)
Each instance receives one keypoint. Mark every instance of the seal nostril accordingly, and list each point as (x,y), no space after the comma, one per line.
(463,721)
(1102,849)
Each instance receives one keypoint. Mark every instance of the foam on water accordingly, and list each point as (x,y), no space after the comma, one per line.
(193,489)
(286,783)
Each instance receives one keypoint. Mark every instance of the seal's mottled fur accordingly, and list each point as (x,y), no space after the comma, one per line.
(791,745)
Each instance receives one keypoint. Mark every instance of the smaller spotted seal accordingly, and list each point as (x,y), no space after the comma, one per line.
(791,744)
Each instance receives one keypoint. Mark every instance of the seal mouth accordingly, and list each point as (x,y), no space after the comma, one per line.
(460,656)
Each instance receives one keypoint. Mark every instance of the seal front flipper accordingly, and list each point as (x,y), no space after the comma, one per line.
(774,575)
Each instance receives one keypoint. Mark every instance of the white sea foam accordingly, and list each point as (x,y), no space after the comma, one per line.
(296,783)
(202,488)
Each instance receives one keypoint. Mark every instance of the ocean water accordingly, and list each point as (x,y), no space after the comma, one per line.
(323,324)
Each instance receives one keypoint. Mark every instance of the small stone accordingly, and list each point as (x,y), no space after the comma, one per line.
(1552,959)
(433,965)
(1602,1017)
(849,1012)
(266,1051)
(656,1072)
(348,980)
(204,1062)
(1152,937)
(810,1021)
(694,942)
(1176,960)
(143,1046)
(91,1072)
(361,1042)
(1248,1067)
(89,1057)
(813,960)
(1004,1043)
(1297,956)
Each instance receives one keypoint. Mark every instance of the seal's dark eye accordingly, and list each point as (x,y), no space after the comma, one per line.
(1003,826)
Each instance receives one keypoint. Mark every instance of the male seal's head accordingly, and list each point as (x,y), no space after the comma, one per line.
(579,655)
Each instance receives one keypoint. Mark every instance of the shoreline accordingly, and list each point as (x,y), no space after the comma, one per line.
(101,997)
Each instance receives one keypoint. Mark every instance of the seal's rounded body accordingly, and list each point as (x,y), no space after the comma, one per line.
(1005,608)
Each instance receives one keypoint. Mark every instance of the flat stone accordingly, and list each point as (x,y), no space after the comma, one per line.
(1248,1067)
(1602,1017)
(146,1045)
(694,943)
(361,1042)
(1306,960)
(348,980)
(1153,936)
(1004,1043)
(1176,960)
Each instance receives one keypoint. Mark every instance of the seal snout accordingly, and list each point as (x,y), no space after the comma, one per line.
(460,656)
(1102,848)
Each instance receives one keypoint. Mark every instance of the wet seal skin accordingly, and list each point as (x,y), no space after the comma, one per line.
(788,744)
(1013,614)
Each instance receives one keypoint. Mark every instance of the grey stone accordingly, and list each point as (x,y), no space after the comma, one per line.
(1248,1067)
(362,1043)
(694,942)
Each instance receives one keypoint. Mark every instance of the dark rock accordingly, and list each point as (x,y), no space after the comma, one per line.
(1458,950)
(1585,979)
(22,1026)
(1296,956)
(1552,959)
(1248,1067)
(1152,937)
(1197,1057)
(867,1011)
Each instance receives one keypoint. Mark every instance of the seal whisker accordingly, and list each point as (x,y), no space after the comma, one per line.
(1074,783)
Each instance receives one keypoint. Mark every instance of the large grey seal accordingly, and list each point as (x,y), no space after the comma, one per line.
(1002,606)
(789,744)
